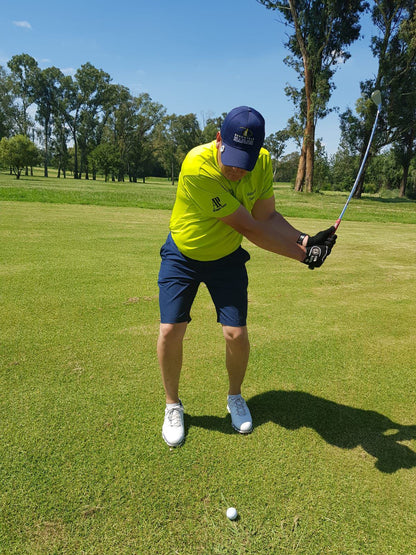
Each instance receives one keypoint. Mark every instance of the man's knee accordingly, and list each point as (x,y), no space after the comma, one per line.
(172,332)
(235,334)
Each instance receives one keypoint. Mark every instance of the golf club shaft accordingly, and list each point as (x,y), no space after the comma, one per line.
(359,172)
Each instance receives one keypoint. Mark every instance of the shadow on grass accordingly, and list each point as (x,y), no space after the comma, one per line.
(339,425)
(393,200)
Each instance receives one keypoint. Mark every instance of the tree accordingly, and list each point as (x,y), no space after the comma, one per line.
(105,158)
(82,102)
(120,125)
(7,109)
(276,145)
(322,166)
(401,78)
(383,173)
(395,53)
(344,168)
(321,31)
(174,137)
(146,116)
(18,153)
(47,91)
(24,72)
(211,128)
(93,97)
(130,127)
(286,167)
(355,133)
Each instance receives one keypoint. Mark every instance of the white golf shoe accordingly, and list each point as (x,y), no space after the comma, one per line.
(173,430)
(240,414)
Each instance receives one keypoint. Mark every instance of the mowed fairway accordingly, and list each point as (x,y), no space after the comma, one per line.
(331,464)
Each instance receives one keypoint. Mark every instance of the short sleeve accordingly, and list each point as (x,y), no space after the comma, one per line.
(211,198)
(267,181)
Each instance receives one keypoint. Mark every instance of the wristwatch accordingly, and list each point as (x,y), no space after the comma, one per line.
(301,238)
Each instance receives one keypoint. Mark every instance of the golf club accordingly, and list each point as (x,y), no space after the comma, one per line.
(376,98)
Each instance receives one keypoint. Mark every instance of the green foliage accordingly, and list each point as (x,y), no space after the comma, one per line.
(7,109)
(321,33)
(175,136)
(286,167)
(276,145)
(322,168)
(105,159)
(18,153)
(24,71)
(344,169)
(211,128)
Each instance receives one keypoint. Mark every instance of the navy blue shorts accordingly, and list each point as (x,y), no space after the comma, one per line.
(225,278)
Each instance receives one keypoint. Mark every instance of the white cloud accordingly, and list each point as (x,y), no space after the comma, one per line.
(23,24)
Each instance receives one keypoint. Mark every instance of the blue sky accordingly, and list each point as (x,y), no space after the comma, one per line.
(190,56)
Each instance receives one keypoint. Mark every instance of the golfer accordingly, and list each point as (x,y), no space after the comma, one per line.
(225,193)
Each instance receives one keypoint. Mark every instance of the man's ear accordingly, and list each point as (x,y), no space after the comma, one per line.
(218,140)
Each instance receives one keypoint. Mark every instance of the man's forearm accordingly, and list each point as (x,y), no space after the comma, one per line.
(268,230)
(283,227)
(277,237)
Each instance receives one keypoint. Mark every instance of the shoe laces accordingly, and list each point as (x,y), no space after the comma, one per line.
(174,416)
(240,406)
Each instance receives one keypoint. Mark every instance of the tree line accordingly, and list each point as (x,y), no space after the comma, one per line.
(86,125)
(320,33)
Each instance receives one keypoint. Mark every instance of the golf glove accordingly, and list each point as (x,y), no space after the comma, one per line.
(317,254)
(321,237)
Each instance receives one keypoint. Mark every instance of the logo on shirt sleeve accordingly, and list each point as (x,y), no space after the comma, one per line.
(216,204)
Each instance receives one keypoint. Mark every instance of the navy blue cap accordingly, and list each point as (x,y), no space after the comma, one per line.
(242,135)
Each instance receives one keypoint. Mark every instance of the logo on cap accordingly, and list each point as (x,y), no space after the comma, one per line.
(246,137)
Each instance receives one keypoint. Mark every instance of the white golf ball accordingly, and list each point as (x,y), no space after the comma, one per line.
(232,513)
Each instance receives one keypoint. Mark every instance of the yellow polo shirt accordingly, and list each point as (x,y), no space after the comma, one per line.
(204,195)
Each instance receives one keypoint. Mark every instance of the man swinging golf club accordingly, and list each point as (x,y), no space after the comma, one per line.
(225,193)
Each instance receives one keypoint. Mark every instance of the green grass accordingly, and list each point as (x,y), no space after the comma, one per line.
(331,464)
(154,194)
(158,193)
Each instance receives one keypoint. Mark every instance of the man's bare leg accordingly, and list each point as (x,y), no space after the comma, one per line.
(237,351)
(169,353)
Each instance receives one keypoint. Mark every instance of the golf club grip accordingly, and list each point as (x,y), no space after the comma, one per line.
(336,225)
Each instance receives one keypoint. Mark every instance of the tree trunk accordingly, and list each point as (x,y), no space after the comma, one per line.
(410,151)
(403,181)
(310,157)
(304,178)
(300,176)
(75,156)
(360,184)
(309,136)
(45,161)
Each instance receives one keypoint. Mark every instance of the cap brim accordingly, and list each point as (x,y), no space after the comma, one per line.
(239,158)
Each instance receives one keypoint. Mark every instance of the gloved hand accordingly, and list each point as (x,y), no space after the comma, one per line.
(321,237)
(317,253)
